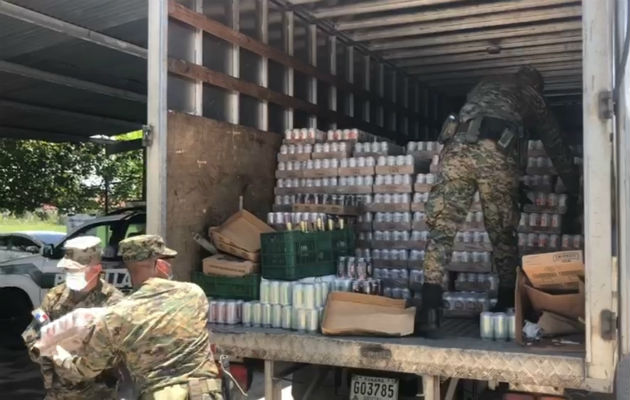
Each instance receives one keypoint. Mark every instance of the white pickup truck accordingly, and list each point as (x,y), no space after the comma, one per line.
(25,281)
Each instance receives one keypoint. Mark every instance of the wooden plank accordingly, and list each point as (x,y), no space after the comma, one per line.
(524,42)
(211,164)
(573,69)
(200,21)
(375,6)
(481,34)
(197,72)
(447,13)
(517,17)
(484,55)
(506,62)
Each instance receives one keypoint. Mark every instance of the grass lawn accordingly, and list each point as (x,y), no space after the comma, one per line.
(13,225)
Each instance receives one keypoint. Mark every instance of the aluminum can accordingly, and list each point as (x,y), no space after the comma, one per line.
(221,312)
(500,326)
(301,318)
(213,312)
(397,293)
(545,221)
(577,241)
(266,315)
(309,296)
(511,323)
(276,316)
(297,295)
(341,267)
(312,321)
(553,241)
(256,314)
(264,291)
(387,292)
(534,220)
(532,240)
(285,293)
(231,315)
(522,240)
(325,288)
(318,294)
(287,316)
(486,325)
(246,314)
(543,240)
(555,220)
(274,292)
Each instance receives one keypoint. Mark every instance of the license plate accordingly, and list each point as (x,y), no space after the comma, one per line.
(373,388)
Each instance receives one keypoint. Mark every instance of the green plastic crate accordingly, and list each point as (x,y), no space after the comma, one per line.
(294,255)
(343,242)
(223,287)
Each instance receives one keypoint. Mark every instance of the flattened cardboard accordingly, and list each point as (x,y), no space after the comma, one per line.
(294,157)
(393,188)
(418,207)
(422,187)
(391,226)
(365,189)
(332,154)
(360,314)
(289,174)
(356,171)
(395,169)
(319,173)
(239,235)
(570,305)
(381,207)
(561,270)
(557,325)
(225,265)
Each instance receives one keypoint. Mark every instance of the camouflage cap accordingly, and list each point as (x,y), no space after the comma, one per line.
(81,252)
(144,247)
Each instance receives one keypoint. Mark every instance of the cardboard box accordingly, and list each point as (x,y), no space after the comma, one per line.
(570,305)
(332,154)
(360,314)
(470,267)
(391,226)
(356,171)
(319,173)
(395,169)
(393,188)
(225,265)
(365,189)
(418,207)
(240,235)
(526,311)
(381,207)
(289,174)
(562,270)
(294,157)
(422,187)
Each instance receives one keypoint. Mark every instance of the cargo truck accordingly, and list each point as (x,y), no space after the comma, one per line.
(226,78)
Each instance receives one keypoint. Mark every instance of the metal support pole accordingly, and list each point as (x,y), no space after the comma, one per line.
(198,59)
(272,387)
(287,37)
(381,94)
(452,386)
(406,105)
(262,22)
(366,86)
(156,117)
(332,91)
(350,79)
(394,120)
(312,82)
(431,387)
(233,61)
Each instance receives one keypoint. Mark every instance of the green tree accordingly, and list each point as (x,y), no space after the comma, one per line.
(71,176)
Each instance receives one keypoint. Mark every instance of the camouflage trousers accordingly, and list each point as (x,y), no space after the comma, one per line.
(466,168)
(195,389)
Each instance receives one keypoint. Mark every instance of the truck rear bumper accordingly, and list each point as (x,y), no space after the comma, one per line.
(457,357)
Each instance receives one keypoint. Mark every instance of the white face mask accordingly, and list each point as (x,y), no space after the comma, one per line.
(76,281)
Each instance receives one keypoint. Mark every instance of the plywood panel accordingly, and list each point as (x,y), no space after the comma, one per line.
(211,164)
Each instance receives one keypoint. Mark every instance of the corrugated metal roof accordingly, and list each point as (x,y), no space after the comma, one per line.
(451,44)
(31,108)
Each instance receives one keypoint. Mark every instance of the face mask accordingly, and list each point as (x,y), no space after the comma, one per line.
(164,269)
(77,281)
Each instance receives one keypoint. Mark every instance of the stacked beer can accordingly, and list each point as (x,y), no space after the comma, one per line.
(297,306)
(541,223)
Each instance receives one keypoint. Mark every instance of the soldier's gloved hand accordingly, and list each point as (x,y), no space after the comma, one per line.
(61,356)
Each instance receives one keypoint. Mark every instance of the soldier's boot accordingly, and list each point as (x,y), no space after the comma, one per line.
(430,317)
(505,299)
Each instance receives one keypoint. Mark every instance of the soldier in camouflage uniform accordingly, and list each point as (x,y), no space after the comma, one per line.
(475,158)
(82,288)
(159,331)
